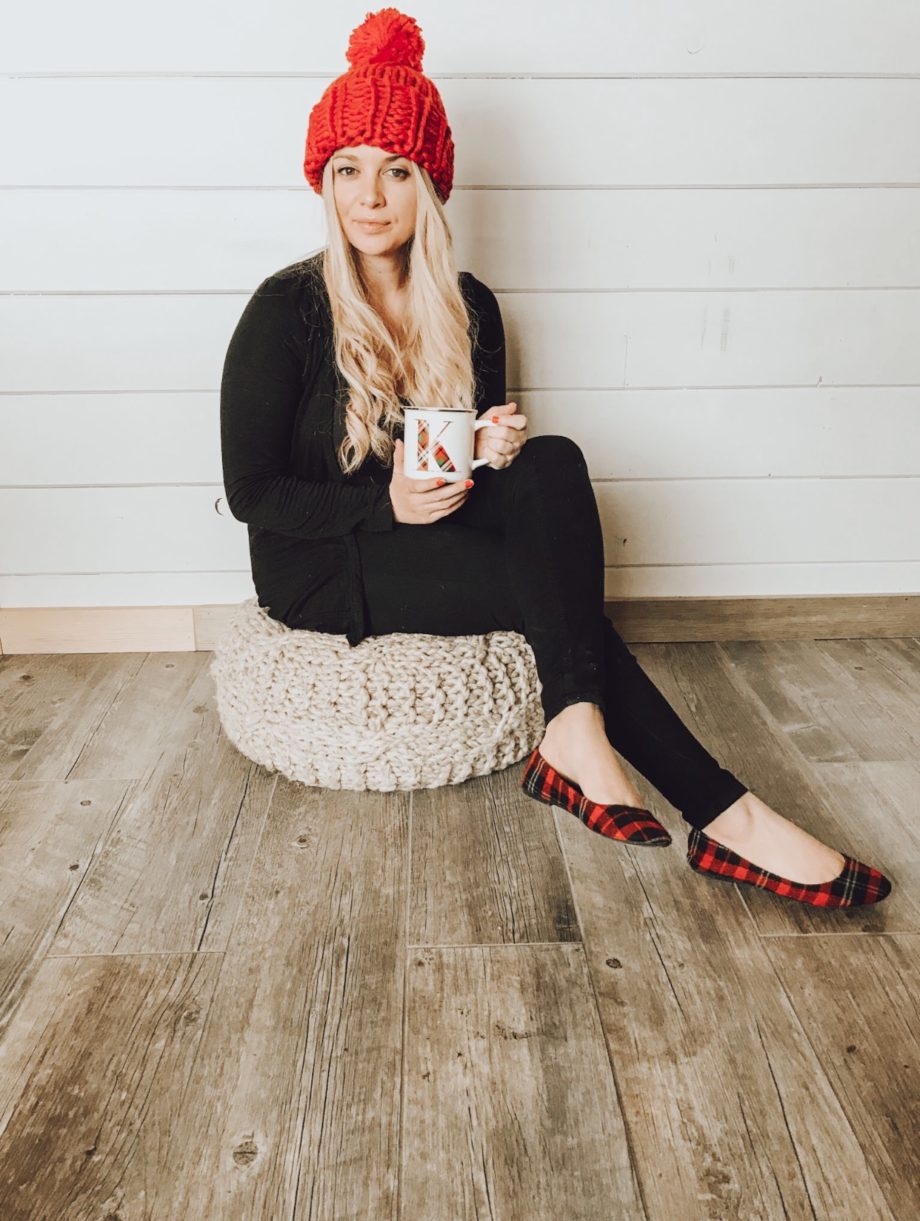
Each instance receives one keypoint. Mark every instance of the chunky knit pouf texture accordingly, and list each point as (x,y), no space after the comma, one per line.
(399,711)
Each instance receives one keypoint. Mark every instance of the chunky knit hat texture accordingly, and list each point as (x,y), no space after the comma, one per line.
(384,99)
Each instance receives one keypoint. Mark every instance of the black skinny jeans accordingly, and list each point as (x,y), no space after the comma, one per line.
(525,553)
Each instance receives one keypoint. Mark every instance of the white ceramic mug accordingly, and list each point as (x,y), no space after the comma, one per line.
(439,441)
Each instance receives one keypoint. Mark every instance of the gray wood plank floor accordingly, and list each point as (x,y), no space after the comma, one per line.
(227,995)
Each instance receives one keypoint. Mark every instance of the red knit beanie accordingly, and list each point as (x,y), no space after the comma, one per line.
(385,100)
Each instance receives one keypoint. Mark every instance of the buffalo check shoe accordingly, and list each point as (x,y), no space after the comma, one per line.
(854,886)
(629,824)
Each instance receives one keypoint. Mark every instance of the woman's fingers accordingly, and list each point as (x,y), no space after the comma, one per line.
(458,492)
(435,498)
(451,488)
(515,420)
(507,427)
(443,507)
(505,445)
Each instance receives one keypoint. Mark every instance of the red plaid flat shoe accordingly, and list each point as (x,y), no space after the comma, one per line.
(854,886)
(627,823)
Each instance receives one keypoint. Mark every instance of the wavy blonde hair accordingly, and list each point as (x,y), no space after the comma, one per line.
(433,360)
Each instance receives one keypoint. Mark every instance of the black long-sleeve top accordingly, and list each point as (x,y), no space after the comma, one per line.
(282,417)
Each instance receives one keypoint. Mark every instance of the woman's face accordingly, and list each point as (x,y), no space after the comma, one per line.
(372,184)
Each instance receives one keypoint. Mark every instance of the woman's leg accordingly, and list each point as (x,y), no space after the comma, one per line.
(525,553)
(533,562)
(646,730)
(555,555)
(545,504)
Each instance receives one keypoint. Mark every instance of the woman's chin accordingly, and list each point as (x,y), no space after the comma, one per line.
(371,244)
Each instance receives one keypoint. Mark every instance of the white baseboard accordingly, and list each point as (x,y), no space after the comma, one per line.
(130,629)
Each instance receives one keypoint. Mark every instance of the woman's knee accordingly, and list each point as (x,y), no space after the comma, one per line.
(553,449)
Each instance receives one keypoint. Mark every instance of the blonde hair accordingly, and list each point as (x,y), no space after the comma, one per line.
(432,363)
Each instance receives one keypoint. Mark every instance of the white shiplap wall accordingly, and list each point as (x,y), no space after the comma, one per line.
(701,221)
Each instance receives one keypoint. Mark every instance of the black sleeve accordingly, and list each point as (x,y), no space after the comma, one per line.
(260,389)
(489,348)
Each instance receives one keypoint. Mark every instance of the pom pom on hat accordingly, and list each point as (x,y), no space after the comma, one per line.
(386,37)
(385,100)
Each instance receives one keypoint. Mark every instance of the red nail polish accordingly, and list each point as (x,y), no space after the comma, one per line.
(469,483)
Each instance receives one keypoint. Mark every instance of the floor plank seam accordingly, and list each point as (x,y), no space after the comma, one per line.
(484,945)
(407,898)
(856,932)
(630,1143)
(269,799)
(841,1102)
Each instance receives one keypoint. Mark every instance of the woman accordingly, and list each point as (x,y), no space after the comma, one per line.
(324,357)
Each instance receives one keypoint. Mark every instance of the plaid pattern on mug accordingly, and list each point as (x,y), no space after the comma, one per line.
(424,447)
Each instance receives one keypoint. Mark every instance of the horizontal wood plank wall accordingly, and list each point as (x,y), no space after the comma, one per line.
(701,232)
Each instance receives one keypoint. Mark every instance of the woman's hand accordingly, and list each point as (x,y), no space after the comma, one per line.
(501,445)
(420,501)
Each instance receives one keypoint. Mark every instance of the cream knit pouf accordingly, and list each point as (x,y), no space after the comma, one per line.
(399,711)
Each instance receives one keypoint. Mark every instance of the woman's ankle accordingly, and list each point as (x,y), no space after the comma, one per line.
(575,743)
(735,821)
(574,723)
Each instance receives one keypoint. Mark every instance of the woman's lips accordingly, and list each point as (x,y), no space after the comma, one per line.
(373,225)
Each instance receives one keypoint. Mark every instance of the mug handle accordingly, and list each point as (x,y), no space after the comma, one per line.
(481,424)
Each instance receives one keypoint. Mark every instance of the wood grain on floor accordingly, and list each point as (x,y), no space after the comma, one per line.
(229,995)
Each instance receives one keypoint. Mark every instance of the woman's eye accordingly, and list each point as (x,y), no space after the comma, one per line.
(396,168)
